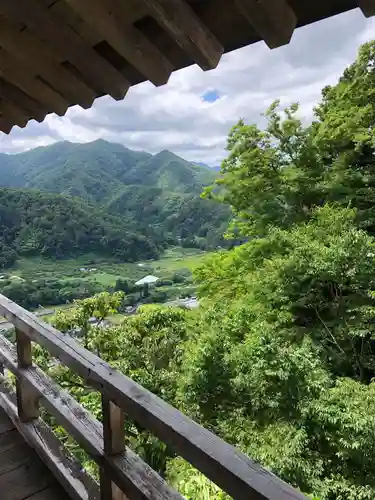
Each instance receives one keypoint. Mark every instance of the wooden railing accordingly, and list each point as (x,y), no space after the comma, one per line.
(122,473)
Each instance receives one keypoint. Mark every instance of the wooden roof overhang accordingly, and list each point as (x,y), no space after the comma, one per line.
(57,53)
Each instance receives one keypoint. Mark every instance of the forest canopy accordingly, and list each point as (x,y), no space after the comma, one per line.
(37,223)
(280,358)
(129,192)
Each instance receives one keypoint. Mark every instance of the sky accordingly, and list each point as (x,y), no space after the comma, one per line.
(194,112)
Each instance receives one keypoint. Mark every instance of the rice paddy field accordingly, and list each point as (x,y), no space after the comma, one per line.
(106,271)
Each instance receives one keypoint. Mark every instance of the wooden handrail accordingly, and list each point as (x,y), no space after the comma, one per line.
(226,466)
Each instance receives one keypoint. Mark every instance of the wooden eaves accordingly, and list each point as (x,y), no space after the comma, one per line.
(58,53)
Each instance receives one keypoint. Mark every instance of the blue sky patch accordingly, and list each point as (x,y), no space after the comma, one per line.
(211,96)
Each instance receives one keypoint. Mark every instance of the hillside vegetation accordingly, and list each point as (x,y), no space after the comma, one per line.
(37,223)
(160,191)
(279,359)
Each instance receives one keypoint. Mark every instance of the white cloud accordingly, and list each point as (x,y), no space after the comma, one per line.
(175,117)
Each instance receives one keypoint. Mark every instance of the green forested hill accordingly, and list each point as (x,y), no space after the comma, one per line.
(90,171)
(189,219)
(161,190)
(94,170)
(33,222)
(279,359)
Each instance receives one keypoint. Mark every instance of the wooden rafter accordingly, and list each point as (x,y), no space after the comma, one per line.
(274,20)
(367,7)
(185,27)
(13,114)
(109,19)
(31,85)
(21,100)
(58,53)
(5,125)
(37,59)
(103,77)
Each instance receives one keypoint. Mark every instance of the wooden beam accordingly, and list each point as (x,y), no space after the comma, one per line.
(108,489)
(27,401)
(113,427)
(27,397)
(102,76)
(109,19)
(12,113)
(127,470)
(24,354)
(367,7)
(274,20)
(233,471)
(78,484)
(38,59)
(33,86)
(5,125)
(114,444)
(18,98)
(186,28)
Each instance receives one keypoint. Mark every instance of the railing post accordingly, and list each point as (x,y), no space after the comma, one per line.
(114,444)
(27,397)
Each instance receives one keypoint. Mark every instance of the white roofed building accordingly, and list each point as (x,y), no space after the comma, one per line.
(147,280)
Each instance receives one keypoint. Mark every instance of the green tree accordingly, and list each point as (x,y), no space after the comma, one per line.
(97,308)
(270,177)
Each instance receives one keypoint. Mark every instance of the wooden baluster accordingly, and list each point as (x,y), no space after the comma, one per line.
(1,364)
(27,397)
(114,444)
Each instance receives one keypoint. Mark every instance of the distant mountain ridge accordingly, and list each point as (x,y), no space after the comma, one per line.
(201,164)
(161,190)
(92,170)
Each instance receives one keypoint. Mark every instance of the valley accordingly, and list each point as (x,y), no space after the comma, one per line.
(68,199)
(40,283)
(75,219)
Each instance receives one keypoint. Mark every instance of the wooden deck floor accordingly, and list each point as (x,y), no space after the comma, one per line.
(22,473)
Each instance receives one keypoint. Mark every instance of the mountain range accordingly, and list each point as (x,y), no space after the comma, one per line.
(151,197)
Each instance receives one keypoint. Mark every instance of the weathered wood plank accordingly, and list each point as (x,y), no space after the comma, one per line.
(114,444)
(11,112)
(9,439)
(5,124)
(109,490)
(24,480)
(367,7)
(11,70)
(185,27)
(75,482)
(226,466)
(24,353)
(48,494)
(27,401)
(68,44)
(133,475)
(13,458)
(39,59)
(27,397)
(113,428)
(13,451)
(18,98)
(109,18)
(6,424)
(274,20)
